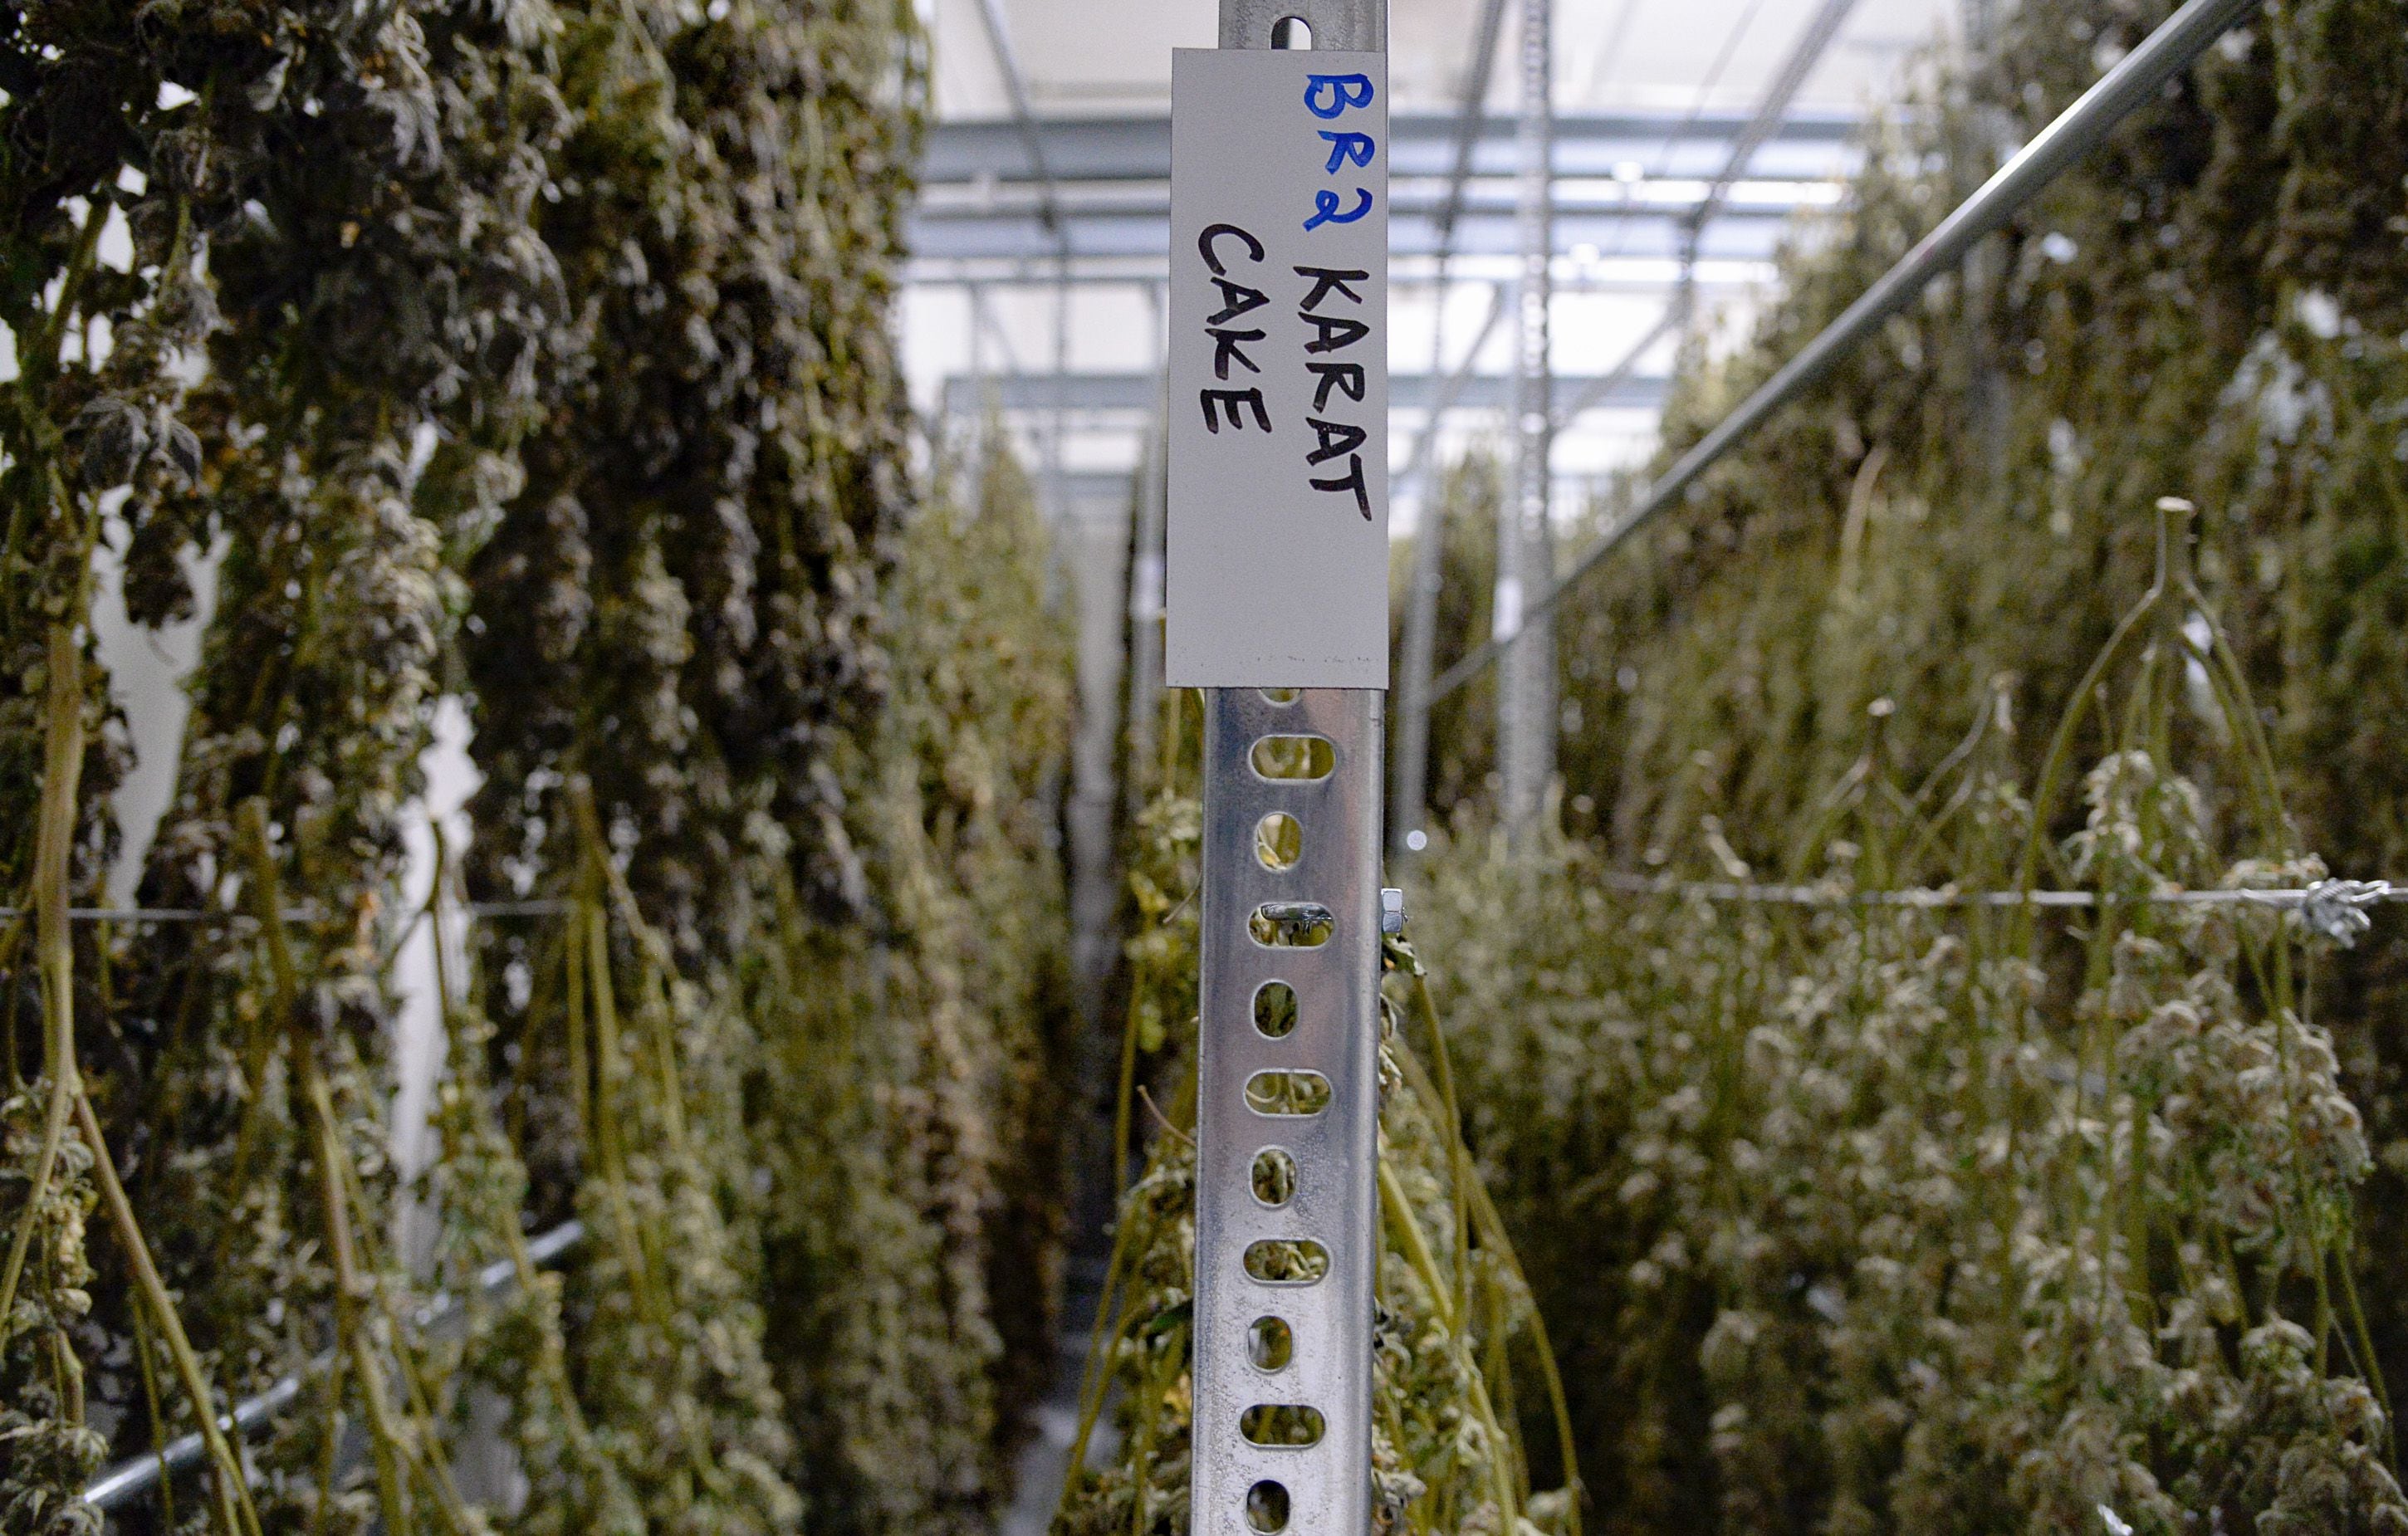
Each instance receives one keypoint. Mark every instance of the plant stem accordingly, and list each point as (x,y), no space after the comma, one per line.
(144,1351)
(386,1439)
(232,1490)
(384,1436)
(1458,1156)
(61,771)
(1415,1247)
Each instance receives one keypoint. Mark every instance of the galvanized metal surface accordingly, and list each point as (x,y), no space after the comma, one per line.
(1360,25)
(1252,870)
(1525,555)
(1326,1485)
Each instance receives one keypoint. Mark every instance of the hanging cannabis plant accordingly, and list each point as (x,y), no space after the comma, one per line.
(916,1068)
(589,305)
(1898,1218)
(708,764)
(385,310)
(170,169)
(1870,1219)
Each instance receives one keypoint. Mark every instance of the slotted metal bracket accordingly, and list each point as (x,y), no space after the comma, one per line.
(1287,1026)
(1288,1094)
(1359,25)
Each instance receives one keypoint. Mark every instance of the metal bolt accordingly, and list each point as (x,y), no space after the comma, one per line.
(1392,909)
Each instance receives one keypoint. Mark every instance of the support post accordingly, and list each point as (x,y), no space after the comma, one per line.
(1285,1195)
(1277,610)
(1525,696)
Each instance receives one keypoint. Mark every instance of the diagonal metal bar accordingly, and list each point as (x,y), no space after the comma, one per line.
(2135,80)
(1468,115)
(1786,81)
(1015,86)
(1601,388)
(137,1476)
(1450,394)
(1048,214)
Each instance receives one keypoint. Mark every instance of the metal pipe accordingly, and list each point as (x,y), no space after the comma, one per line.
(1015,86)
(1048,214)
(2135,79)
(135,1475)
(1786,81)
(1467,120)
(1450,394)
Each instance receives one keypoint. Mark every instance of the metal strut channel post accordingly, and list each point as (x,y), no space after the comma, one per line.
(1286,1202)
(1281,1026)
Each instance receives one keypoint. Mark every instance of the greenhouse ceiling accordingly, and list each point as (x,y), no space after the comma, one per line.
(1032,290)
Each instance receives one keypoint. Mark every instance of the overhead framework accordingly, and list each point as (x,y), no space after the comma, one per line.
(1017,212)
(988,187)
(1771,114)
(1032,205)
(1049,219)
(2134,80)
(1408,392)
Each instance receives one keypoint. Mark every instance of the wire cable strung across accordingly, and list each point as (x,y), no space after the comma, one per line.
(2337,910)
(291,914)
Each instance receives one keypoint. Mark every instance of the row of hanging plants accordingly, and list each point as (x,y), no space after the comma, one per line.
(2087,573)
(536,355)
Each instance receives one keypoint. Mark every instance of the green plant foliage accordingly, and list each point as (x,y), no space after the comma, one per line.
(2208,306)
(843,948)
(694,555)
(1870,1219)
(671,629)
(88,418)
(266,186)
(916,1071)
(369,179)
(1897,1220)
(1462,727)
(513,1350)
(545,359)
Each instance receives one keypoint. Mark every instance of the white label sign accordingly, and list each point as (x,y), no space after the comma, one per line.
(1279,370)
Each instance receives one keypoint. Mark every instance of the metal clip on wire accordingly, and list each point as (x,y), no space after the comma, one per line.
(2336,908)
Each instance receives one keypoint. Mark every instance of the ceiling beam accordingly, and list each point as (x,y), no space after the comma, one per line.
(1807,145)
(1770,112)
(1024,119)
(1140,394)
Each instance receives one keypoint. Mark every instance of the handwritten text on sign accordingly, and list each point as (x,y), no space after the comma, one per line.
(1279,370)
